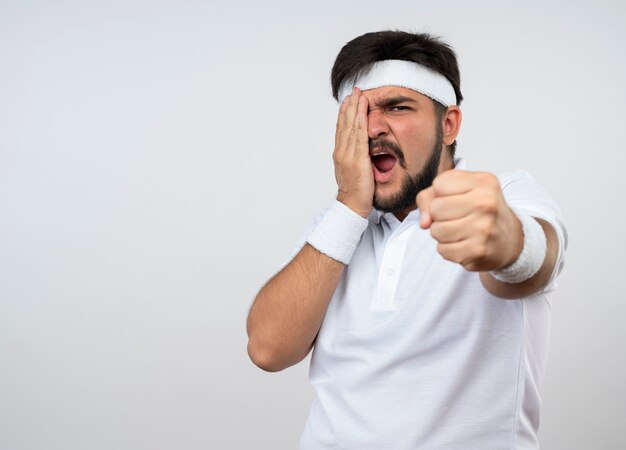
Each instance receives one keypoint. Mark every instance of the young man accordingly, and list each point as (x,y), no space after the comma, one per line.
(401,286)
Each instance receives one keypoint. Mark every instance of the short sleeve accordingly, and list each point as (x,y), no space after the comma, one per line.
(523,193)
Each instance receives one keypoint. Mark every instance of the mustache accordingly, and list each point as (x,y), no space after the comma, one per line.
(384,144)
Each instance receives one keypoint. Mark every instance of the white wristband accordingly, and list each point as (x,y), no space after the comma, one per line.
(530,260)
(338,233)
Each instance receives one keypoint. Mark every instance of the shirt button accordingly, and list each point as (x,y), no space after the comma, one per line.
(390,271)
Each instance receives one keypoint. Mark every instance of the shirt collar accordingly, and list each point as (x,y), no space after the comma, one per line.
(376,215)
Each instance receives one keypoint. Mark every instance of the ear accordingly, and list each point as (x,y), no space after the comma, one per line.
(451,124)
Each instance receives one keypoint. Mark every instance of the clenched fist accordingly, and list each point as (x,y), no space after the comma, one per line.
(353,167)
(469,218)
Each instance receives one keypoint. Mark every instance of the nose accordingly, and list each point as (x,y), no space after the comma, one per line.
(376,123)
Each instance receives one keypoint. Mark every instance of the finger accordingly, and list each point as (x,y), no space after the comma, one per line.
(470,253)
(450,231)
(423,200)
(341,118)
(455,251)
(342,126)
(346,131)
(451,207)
(352,133)
(362,140)
(463,252)
(454,182)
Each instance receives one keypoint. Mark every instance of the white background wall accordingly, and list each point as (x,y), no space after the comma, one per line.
(159,158)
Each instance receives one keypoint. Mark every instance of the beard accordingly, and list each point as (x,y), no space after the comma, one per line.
(411,185)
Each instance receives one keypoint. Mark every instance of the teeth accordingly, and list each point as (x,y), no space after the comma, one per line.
(379,153)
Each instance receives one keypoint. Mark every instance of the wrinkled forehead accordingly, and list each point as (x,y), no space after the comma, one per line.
(386,95)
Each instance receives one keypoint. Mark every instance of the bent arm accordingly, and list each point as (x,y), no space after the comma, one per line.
(288,310)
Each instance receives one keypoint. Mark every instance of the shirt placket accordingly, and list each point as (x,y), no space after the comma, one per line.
(389,271)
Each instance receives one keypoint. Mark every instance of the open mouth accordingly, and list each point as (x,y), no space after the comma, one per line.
(383,162)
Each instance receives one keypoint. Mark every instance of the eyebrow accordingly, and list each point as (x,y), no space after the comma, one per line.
(386,102)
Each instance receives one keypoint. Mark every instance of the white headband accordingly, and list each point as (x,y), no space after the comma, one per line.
(406,74)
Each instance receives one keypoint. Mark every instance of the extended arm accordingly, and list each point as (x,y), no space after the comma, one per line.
(474,226)
(534,284)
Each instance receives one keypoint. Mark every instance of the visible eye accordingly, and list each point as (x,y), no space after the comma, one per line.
(397,108)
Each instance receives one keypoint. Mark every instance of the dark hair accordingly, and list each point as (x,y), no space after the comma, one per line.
(359,54)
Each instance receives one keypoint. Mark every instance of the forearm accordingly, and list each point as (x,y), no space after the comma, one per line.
(537,281)
(288,311)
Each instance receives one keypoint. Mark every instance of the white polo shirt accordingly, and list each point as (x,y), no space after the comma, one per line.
(414,353)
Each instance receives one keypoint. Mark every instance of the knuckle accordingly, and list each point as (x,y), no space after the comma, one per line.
(343,124)
(481,251)
(485,230)
(425,194)
(447,252)
(490,180)
(489,205)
